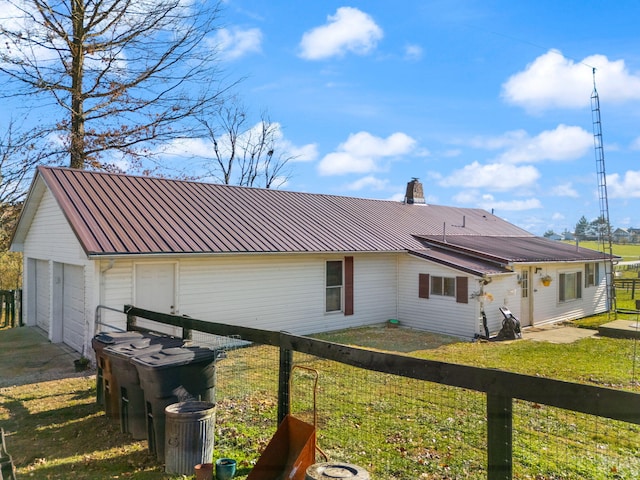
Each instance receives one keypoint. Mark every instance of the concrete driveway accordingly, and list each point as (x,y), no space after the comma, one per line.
(27,356)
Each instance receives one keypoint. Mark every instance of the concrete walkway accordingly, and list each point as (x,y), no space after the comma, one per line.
(557,333)
(27,356)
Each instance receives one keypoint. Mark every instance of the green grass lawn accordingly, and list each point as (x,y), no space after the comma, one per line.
(397,428)
(628,252)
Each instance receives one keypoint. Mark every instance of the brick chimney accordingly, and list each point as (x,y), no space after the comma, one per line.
(415,194)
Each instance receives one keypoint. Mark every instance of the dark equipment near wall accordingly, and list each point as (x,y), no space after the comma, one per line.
(510,327)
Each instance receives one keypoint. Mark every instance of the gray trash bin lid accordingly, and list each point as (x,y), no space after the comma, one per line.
(144,346)
(111,338)
(175,357)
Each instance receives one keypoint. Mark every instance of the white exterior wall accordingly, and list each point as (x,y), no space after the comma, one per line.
(547,305)
(272,292)
(51,240)
(437,313)
(506,292)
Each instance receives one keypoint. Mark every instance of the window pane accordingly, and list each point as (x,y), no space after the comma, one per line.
(334,273)
(589,274)
(570,292)
(436,285)
(449,288)
(334,298)
(524,283)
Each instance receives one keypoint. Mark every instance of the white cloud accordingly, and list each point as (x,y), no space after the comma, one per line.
(305,153)
(370,182)
(627,186)
(190,147)
(635,145)
(412,52)
(489,203)
(493,176)
(498,142)
(557,216)
(203,148)
(553,81)
(467,197)
(564,190)
(565,142)
(363,152)
(235,43)
(349,30)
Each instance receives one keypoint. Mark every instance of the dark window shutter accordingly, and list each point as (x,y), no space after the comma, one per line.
(423,285)
(348,285)
(462,289)
(561,287)
(596,275)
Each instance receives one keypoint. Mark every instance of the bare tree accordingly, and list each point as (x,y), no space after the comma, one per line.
(124,75)
(245,154)
(19,154)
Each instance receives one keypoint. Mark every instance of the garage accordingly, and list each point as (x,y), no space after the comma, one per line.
(73,306)
(43,294)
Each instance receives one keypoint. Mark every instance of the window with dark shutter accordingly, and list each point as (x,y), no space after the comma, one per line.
(462,290)
(423,285)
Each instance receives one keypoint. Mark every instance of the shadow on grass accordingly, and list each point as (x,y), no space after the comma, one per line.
(76,441)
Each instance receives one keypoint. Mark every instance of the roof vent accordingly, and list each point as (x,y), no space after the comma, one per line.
(415,194)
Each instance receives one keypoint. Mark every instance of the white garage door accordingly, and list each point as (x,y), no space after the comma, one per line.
(73,306)
(42,294)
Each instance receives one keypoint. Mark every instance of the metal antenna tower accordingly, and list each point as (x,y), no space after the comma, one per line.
(604,232)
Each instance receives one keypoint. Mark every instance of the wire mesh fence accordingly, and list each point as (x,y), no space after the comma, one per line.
(419,422)
(400,428)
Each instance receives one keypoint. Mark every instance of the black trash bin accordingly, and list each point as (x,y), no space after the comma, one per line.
(124,375)
(166,376)
(106,395)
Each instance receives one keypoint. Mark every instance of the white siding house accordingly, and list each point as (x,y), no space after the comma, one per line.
(278,260)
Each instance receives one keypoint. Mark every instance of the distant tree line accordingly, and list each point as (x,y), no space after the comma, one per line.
(595,230)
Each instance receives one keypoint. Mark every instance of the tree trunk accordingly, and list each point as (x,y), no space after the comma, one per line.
(77,150)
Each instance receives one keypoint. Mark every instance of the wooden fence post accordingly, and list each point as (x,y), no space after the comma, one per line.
(284,375)
(11,310)
(3,315)
(499,437)
(131,319)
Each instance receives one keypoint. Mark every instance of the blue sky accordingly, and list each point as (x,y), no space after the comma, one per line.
(487,102)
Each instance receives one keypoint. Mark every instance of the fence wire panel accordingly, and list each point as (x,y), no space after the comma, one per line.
(247,402)
(551,443)
(394,427)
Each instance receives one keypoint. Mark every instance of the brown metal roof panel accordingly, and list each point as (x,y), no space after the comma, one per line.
(460,262)
(127,214)
(208,217)
(84,217)
(126,221)
(169,220)
(519,249)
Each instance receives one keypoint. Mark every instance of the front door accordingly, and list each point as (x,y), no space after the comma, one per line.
(155,289)
(526,297)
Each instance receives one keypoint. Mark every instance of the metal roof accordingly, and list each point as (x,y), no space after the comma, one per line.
(506,250)
(114,214)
